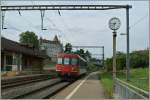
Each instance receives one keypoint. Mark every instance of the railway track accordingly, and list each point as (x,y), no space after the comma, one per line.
(26,89)
(37,90)
(46,92)
(21,81)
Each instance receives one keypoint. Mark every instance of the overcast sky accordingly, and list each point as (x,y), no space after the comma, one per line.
(83,27)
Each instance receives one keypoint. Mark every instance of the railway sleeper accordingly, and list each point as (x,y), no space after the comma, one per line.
(18,92)
(46,92)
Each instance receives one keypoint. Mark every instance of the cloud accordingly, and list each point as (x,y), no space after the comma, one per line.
(85,27)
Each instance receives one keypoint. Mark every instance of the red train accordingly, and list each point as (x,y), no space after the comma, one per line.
(70,65)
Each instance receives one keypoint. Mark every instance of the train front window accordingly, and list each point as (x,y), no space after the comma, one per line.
(59,61)
(66,61)
(74,61)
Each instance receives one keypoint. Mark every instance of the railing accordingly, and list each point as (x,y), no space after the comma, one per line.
(127,91)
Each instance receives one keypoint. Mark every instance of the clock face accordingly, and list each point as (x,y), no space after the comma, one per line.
(114,23)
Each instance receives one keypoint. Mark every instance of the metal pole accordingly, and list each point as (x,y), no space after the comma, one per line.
(2,14)
(114,55)
(1,29)
(127,56)
(0,17)
(103,56)
(149,63)
(42,18)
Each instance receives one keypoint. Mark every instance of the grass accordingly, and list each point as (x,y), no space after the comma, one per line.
(138,77)
(107,82)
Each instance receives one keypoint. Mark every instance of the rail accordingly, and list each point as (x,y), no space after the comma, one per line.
(127,91)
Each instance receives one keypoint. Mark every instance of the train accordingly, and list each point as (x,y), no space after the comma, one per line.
(70,66)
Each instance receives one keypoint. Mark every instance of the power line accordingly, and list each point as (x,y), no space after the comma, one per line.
(54,25)
(138,21)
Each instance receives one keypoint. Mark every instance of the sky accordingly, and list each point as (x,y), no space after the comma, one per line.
(82,28)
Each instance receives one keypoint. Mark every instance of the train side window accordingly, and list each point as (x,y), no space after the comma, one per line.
(59,61)
(74,61)
(66,61)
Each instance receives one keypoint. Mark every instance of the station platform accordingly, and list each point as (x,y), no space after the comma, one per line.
(86,88)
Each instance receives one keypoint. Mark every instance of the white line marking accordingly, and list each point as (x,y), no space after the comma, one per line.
(74,91)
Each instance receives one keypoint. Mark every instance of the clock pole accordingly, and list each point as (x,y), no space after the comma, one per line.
(114,54)
(114,24)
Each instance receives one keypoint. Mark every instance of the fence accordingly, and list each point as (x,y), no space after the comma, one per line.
(127,91)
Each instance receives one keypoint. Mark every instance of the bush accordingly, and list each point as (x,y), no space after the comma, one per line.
(138,59)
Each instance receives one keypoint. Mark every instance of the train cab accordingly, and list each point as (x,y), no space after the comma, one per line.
(70,65)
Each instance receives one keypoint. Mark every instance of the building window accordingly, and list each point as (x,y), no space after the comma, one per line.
(2,62)
(66,61)
(9,60)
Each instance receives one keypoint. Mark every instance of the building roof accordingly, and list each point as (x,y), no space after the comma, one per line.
(54,41)
(9,45)
(55,38)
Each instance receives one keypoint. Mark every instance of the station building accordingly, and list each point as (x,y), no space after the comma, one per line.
(18,57)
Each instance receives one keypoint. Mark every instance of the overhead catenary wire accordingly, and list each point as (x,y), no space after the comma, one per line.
(58,29)
(138,21)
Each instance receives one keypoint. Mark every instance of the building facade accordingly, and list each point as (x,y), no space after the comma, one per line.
(18,57)
(51,47)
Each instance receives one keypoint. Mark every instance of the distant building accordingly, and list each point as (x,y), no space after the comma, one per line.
(51,47)
(18,57)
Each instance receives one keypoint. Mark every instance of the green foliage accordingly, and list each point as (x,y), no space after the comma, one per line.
(92,67)
(29,38)
(138,59)
(86,55)
(109,64)
(121,60)
(107,82)
(138,77)
(68,48)
(80,52)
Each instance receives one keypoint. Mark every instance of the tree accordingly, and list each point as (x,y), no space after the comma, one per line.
(109,64)
(68,48)
(77,52)
(138,59)
(121,60)
(88,55)
(81,53)
(29,38)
